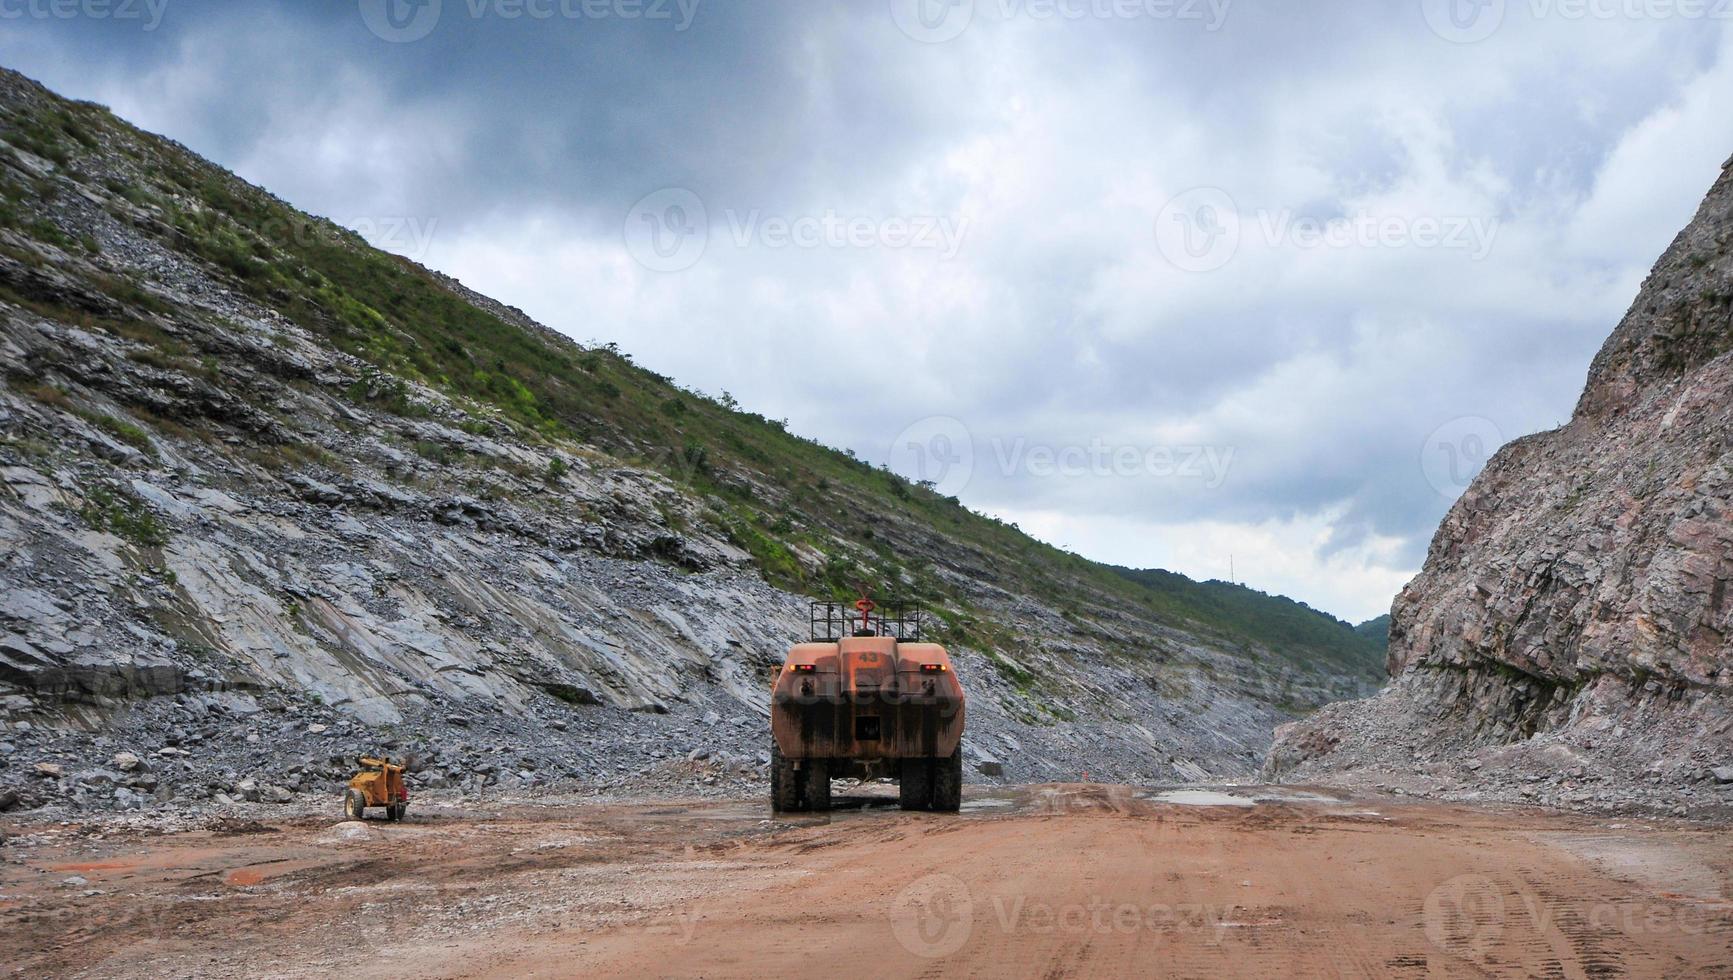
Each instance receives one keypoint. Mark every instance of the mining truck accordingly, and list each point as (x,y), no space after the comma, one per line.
(866,698)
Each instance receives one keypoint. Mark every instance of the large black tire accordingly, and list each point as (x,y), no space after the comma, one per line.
(354,804)
(815,784)
(915,784)
(784,783)
(948,782)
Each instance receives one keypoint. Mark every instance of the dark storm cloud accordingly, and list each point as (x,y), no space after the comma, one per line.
(586,113)
(1052,137)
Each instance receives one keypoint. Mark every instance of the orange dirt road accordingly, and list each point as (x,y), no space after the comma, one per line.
(1043,881)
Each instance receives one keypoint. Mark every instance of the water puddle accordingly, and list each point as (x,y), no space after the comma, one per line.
(1200,797)
(1221,797)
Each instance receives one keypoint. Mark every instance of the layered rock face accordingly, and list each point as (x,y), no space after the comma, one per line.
(241,508)
(1577,596)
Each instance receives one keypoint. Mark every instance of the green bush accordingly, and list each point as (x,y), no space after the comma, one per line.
(122,514)
(126,432)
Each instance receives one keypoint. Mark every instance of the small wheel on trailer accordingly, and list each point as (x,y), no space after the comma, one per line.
(395,811)
(354,804)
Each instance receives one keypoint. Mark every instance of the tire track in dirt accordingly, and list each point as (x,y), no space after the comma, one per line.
(1064,880)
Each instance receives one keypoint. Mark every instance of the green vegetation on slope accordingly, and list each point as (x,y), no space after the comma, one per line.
(776,495)
(1376,630)
(1275,621)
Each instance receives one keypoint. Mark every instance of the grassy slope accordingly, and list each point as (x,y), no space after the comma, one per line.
(1275,620)
(778,495)
(1376,630)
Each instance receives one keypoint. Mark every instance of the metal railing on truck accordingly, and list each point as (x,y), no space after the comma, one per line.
(831,621)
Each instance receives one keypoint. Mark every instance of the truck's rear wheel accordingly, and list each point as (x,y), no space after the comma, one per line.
(784,783)
(815,784)
(948,782)
(915,784)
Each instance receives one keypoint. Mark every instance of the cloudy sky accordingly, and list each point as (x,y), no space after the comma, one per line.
(1164,281)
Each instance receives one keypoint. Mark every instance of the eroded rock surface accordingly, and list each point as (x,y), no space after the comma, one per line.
(1573,622)
(247,533)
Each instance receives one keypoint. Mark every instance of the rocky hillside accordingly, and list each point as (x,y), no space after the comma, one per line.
(1572,629)
(271,495)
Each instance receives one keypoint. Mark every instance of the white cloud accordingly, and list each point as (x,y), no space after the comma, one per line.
(1274,556)
(1581,147)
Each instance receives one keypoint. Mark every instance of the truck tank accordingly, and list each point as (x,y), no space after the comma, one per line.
(866,698)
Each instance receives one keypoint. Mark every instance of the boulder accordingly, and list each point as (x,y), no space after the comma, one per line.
(96,777)
(350,830)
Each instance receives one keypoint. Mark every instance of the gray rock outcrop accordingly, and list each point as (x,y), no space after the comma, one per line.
(1575,604)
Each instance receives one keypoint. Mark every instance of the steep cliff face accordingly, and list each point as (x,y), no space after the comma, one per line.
(1579,591)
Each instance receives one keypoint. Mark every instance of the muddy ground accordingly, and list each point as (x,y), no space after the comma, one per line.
(1036,881)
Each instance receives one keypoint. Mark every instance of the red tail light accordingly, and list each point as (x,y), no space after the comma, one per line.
(932,668)
(803,668)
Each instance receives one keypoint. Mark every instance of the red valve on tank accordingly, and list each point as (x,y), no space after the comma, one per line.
(866,607)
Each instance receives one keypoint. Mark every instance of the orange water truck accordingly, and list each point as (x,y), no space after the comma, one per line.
(866,697)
